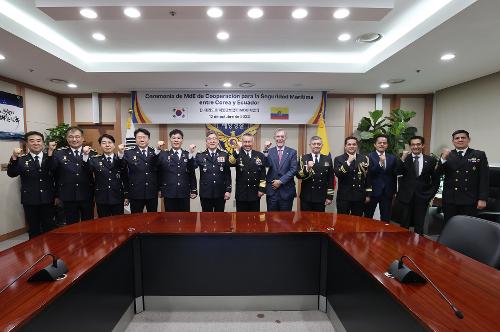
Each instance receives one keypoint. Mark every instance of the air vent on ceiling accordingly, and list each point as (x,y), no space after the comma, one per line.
(396,80)
(247,85)
(369,37)
(58,81)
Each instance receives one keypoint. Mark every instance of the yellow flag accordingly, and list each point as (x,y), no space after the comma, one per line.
(321,132)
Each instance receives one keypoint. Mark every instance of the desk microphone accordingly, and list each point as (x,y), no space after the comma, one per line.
(404,275)
(54,271)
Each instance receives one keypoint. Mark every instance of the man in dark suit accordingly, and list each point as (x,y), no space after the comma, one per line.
(383,179)
(215,175)
(316,172)
(354,187)
(110,177)
(250,175)
(37,184)
(466,177)
(74,180)
(282,167)
(142,173)
(418,184)
(177,176)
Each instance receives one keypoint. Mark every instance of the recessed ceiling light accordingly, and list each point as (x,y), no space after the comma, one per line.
(384,86)
(223,35)
(299,13)
(88,13)
(341,13)
(369,37)
(255,13)
(215,12)
(448,56)
(99,36)
(72,85)
(344,37)
(227,85)
(2,57)
(132,12)
(396,80)
(247,85)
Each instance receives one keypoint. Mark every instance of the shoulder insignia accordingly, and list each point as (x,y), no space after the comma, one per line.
(24,155)
(128,148)
(96,155)
(62,148)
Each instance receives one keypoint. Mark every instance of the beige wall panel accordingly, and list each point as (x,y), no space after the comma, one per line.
(416,105)
(83,110)
(8,87)
(473,106)
(42,111)
(108,113)
(386,106)
(67,111)
(335,112)
(361,108)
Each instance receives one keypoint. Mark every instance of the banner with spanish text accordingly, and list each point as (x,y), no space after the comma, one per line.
(258,107)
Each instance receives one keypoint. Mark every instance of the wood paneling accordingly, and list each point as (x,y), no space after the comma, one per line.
(72,110)
(428,110)
(60,110)
(118,120)
(26,85)
(14,233)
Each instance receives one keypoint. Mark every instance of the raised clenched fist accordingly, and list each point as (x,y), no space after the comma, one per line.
(52,146)
(160,145)
(405,155)
(17,153)
(121,148)
(192,148)
(267,144)
(86,150)
(310,165)
(446,153)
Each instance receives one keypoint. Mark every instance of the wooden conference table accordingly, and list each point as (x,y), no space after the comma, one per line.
(114,261)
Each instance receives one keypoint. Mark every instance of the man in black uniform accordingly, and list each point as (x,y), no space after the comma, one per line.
(74,181)
(250,175)
(215,175)
(466,178)
(141,163)
(418,184)
(37,184)
(316,172)
(110,177)
(177,176)
(354,188)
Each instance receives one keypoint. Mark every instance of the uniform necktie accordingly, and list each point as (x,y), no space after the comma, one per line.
(416,165)
(460,154)
(316,159)
(109,160)
(37,162)
(144,153)
(280,155)
(248,154)
(77,154)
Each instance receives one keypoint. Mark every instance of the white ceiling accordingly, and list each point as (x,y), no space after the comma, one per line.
(281,53)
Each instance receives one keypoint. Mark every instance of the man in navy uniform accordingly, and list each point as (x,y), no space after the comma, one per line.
(74,180)
(316,172)
(466,177)
(354,188)
(250,174)
(110,177)
(215,175)
(177,176)
(418,184)
(141,163)
(282,168)
(37,184)
(383,179)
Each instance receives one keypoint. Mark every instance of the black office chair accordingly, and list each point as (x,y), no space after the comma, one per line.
(492,210)
(473,237)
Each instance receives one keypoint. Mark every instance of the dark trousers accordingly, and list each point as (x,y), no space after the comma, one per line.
(248,206)
(384,205)
(76,211)
(275,203)
(212,204)
(106,210)
(176,204)
(311,206)
(138,205)
(450,210)
(40,218)
(353,208)
(413,213)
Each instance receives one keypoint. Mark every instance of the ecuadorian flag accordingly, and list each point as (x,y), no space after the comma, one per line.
(138,115)
(279,113)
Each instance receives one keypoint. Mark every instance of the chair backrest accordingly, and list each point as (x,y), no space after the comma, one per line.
(493,203)
(473,237)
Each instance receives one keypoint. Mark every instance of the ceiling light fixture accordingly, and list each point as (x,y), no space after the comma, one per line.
(448,57)
(223,35)
(72,85)
(227,85)
(299,13)
(370,37)
(384,85)
(2,57)
(344,37)
(132,12)
(255,13)
(341,13)
(99,36)
(88,13)
(215,12)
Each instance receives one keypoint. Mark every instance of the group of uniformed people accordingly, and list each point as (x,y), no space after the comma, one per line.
(74,177)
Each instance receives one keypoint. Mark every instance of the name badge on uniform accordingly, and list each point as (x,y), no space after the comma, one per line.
(221,159)
(117,175)
(327,164)
(204,169)
(27,162)
(258,161)
(65,158)
(134,158)
(100,163)
(222,168)
(185,160)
